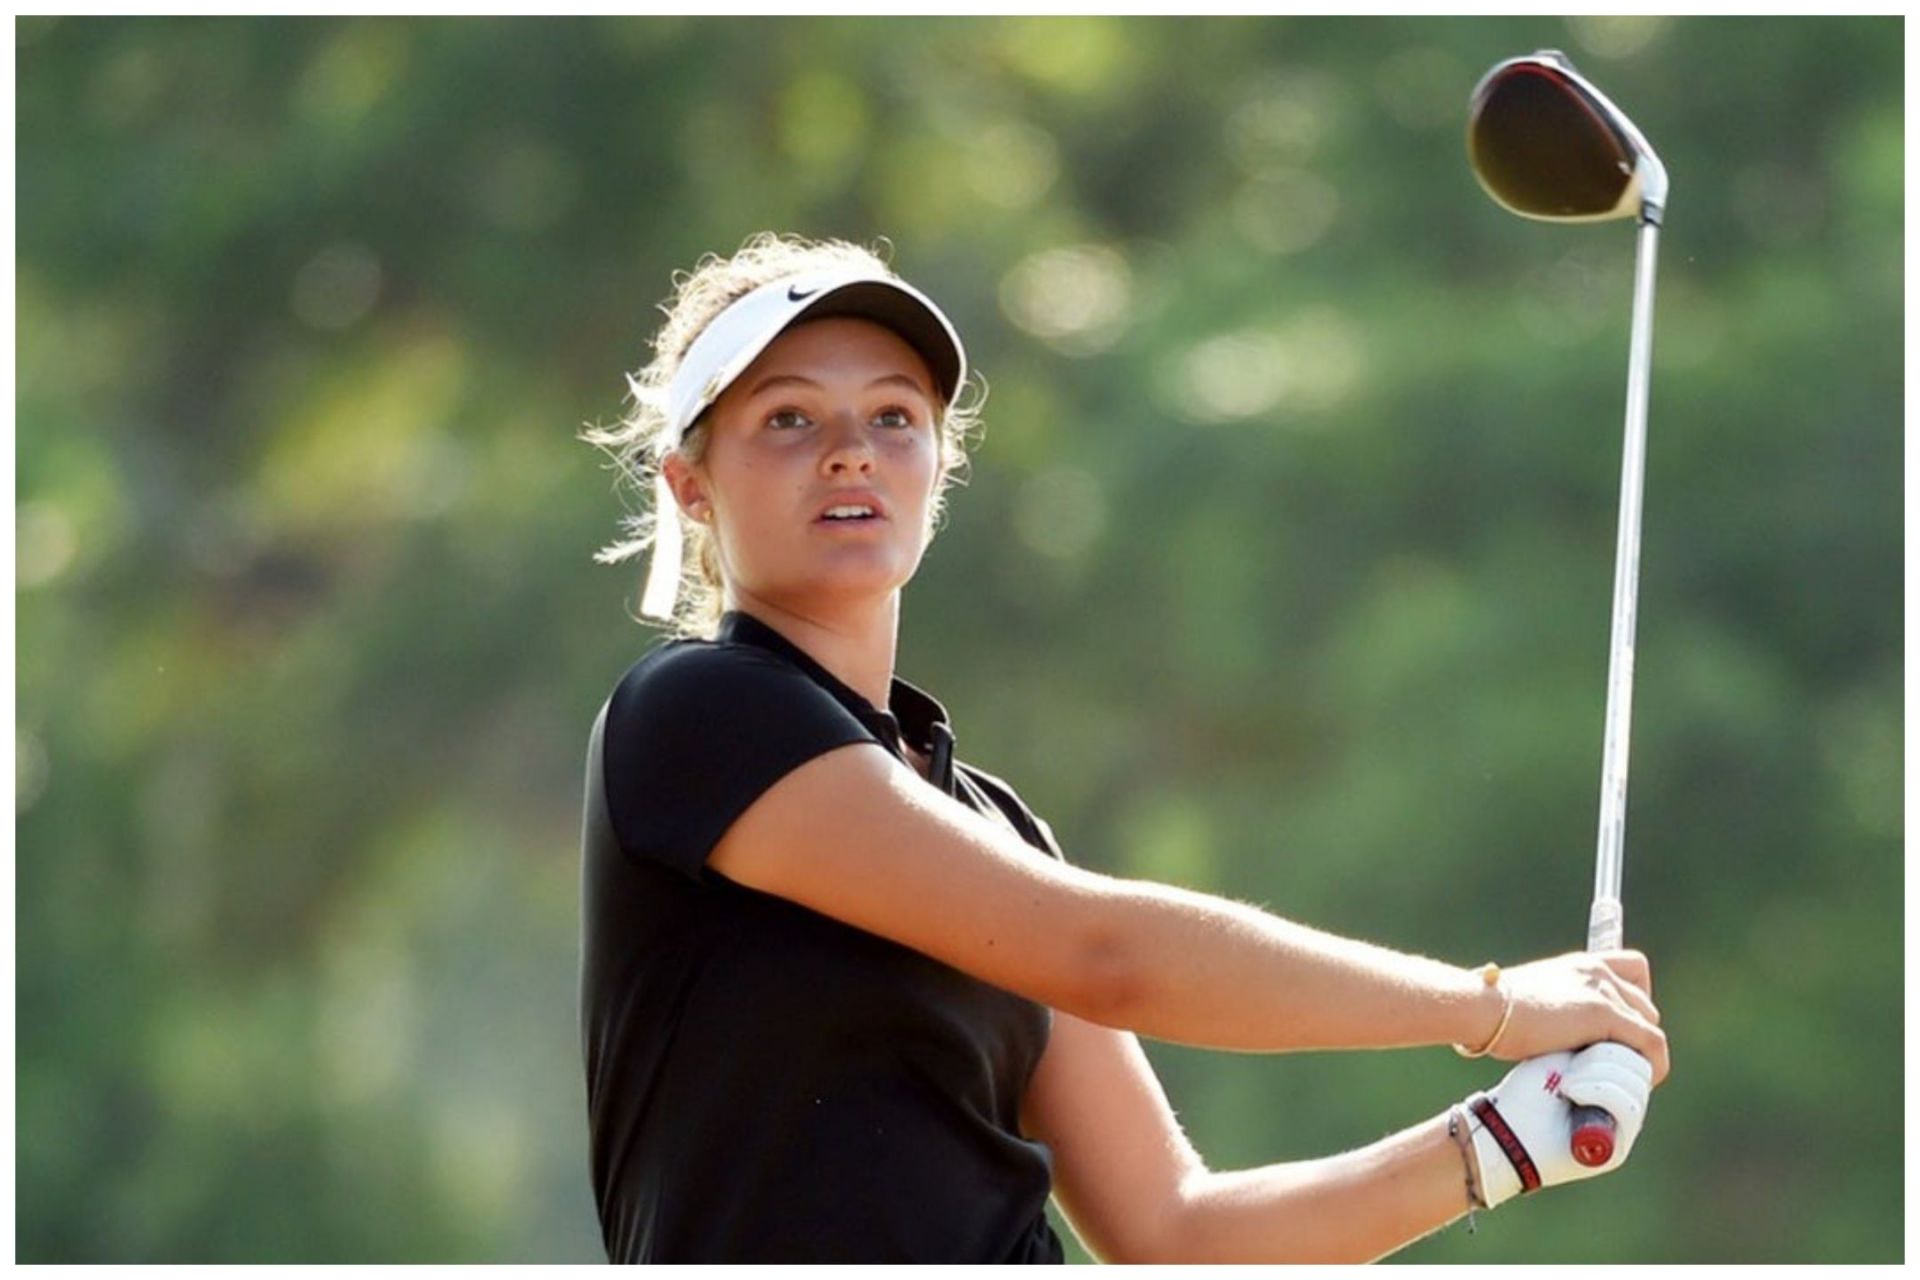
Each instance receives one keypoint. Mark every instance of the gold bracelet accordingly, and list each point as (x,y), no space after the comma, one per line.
(1490,974)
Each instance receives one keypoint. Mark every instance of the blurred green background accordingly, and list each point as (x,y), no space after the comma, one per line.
(1284,572)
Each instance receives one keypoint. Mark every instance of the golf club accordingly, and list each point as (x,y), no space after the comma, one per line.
(1546,144)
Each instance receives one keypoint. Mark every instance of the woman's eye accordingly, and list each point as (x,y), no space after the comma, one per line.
(787,419)
(894,417)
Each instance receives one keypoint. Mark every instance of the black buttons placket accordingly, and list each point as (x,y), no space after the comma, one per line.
(942,764)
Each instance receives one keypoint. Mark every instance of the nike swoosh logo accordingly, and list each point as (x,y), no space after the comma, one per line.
(794,294)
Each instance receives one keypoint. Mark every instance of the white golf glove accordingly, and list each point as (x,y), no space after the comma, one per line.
(1523,1129)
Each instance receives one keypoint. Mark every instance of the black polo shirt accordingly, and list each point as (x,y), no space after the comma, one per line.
(765,1083)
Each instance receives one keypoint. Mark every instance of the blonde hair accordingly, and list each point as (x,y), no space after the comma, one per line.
(638,443)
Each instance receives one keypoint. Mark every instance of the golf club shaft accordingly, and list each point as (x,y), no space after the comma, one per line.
(1592,1126)
(1605,924)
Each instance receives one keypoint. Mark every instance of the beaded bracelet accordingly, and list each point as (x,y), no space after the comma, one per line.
(1458,1128)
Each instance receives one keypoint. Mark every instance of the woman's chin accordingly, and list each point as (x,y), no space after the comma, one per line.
(850,580)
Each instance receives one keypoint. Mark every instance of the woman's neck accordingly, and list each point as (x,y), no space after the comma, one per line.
(855,644)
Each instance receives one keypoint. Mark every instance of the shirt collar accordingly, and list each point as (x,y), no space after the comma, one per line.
(912,712)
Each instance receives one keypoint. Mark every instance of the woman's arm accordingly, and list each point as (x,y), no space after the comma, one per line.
(1120,1161)
(856,835)
(1354,1207)
(1134,1190)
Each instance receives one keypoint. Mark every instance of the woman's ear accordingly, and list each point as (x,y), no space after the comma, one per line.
(689,490)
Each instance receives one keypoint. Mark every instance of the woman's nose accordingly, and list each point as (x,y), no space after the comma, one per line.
(848,446)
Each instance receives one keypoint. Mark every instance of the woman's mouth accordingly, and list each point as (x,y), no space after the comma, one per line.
(849,513)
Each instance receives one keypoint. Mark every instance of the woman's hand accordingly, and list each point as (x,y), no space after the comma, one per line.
(1522,1129)
(1581,998)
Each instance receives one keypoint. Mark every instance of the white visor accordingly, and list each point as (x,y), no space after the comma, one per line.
(732,340)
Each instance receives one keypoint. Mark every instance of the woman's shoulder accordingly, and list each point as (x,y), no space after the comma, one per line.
(676,662)
(696,730)
(700,686)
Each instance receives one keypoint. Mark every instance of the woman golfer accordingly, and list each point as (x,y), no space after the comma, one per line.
(842,997)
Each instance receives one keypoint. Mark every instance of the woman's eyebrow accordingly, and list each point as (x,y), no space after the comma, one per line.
(782,379)
(899,379)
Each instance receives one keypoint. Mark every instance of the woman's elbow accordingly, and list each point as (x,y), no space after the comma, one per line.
(1109,980)
(1159,1237)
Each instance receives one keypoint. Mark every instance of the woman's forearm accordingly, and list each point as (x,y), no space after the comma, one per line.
(1354,1207)
(1201,970)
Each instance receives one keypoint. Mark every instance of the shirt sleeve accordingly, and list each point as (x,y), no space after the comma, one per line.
(697,732)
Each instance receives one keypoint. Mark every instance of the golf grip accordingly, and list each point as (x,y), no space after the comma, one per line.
(1592,1136)
(1592,1143)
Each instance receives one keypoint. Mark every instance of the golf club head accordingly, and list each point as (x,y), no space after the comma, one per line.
(1546,144)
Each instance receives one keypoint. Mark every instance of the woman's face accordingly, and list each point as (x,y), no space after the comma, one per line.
(836,415)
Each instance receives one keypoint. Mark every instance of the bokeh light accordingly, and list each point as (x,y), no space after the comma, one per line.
(44,542)
(1283,120)
(1285,211)
(1618,35)
(1422,87)
(31,768)
(337,287)
(1075,298)
(1305,366)
(1011,163)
